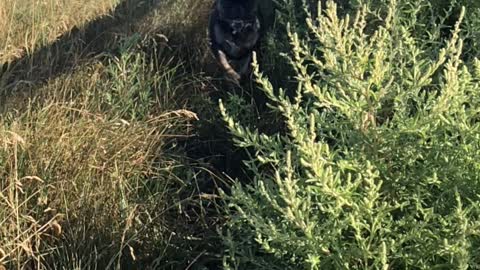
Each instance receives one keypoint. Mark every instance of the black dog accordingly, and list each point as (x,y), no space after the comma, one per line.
(234,33)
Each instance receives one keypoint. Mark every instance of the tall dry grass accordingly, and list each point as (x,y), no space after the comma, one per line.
(93,172)
(27,24)
(79,161)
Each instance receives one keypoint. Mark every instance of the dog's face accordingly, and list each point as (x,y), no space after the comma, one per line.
(240,15)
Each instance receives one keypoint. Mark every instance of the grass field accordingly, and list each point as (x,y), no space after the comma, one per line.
(99,106)
(356,147)
(28,25)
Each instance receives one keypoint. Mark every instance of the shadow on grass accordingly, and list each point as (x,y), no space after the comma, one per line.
(97,40)
(212,148)
(72,49)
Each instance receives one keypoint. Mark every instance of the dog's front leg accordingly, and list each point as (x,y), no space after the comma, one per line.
(222,58)
(246,65)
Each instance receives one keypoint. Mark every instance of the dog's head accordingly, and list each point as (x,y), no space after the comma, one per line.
(240,15)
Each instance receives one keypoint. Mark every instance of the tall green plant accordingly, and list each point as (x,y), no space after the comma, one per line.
(378,168)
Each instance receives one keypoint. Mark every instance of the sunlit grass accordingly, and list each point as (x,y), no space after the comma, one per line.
(28,24)
(92,171)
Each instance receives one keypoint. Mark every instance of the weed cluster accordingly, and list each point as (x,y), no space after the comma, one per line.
(378,166)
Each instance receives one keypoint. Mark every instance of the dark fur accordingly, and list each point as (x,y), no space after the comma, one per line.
(234,33)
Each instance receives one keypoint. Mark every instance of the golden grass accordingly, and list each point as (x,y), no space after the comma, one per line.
(86,167)
(91,171)
(27,24)
(68,160)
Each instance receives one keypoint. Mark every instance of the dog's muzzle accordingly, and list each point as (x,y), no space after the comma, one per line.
(241,26)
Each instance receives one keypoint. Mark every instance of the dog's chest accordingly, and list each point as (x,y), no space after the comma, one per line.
(245,39)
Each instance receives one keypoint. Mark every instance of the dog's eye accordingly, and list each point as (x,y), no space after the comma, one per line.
(237,25)
(249,27)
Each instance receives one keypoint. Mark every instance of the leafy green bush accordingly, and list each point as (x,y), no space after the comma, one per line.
(433,20)
(378,166)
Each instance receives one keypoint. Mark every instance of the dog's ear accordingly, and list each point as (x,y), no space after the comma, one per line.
(223,7)
(249,7)
(219,5)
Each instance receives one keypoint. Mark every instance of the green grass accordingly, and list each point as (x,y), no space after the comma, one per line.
(113,148)
(94,173)
(94,160)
